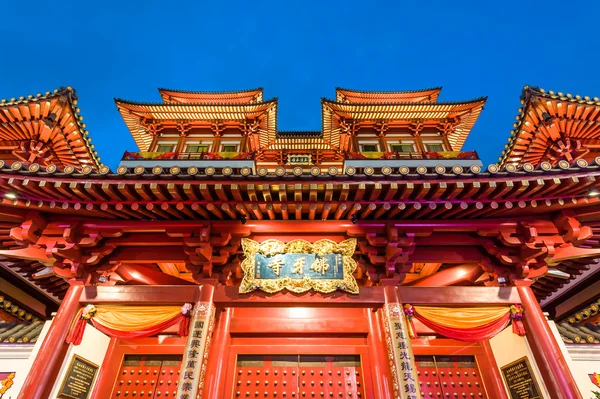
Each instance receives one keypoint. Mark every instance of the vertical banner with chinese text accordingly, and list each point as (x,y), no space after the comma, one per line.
(195,357)
(402,360)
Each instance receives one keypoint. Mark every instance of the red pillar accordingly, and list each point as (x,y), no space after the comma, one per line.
(492,378)
(214,380)
(553,367)
(192,378)
(379,357)
(51,356)
(106,375)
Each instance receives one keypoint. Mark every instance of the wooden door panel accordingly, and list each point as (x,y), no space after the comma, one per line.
(294,376)
(147,376)
(449,377)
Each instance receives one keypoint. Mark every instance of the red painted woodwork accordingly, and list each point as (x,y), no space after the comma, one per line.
(45,367)
(494,382)
(492,387)
(321,347)
(548,356)
(452,276)
(110,373)
(266,376)
(369,297)
(382,386)
(298,331)
(139,274)
(449,377)
(148,376)
(304,376)
(218,355)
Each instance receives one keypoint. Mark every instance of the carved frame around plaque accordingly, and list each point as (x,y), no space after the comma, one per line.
(272,266)
(76,358)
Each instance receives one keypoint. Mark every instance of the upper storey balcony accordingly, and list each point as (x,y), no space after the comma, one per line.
(412,159)
(306,158)
(187,159)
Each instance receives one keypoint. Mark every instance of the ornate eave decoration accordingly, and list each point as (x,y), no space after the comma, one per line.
(274,256)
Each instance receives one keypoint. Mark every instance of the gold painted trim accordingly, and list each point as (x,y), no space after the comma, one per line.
(322,247)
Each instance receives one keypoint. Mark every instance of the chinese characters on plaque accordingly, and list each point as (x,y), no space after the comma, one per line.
(191,378)
(328,267)
(402,360)
(79,379)
(520,380)
(324,266)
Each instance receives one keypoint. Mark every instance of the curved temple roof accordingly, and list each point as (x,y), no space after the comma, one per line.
(46,129)
(464,114)
(225,97)
(385,97)
(141,117)
(551,126)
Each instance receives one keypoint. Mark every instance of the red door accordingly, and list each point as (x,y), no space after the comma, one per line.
(449,377)
(298,376)
(147,376)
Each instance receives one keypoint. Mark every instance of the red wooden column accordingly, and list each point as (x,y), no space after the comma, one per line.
(214,381)
(379,356)
(195,355)
(492,378)
(41,378)
(553,367)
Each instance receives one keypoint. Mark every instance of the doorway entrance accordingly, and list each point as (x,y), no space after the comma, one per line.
(303,376)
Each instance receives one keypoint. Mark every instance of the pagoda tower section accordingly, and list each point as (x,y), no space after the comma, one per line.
(192,126)
(359,130)
(399,125)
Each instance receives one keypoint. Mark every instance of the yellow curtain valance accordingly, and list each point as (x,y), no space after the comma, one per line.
(134,318)
(462,317)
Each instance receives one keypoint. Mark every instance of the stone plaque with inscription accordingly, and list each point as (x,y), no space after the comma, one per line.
(79,379)
(520,380)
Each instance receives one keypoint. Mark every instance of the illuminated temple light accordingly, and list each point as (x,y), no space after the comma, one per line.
(10,195)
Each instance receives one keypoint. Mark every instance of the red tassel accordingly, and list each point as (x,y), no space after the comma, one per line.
(76,334)
(518,327)
(184,327)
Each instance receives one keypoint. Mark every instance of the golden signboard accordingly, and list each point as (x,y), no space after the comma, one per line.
(520,380)
(324,266)
(79,379)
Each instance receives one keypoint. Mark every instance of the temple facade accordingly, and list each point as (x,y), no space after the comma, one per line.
(375,258)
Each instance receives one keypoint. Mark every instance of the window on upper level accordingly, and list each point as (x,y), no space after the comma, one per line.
(165,148)
(434,146)
(369,147)
(402,147)
(196,148)
(229,148)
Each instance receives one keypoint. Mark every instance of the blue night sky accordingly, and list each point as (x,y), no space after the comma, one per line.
(299,52)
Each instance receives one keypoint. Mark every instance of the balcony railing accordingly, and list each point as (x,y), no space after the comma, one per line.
(186,156)
(441,155)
